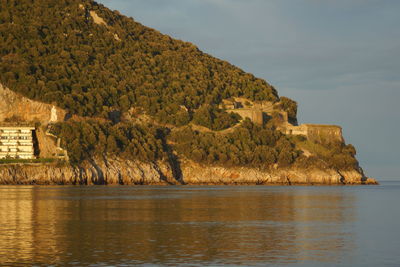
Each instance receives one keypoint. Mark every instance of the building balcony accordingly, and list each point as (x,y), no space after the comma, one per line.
(16,143)
(16,149)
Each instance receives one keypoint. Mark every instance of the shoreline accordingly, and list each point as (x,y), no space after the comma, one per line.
(116,171)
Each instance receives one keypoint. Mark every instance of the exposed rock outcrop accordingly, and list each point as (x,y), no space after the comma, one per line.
(111,171)
(25,109)
(197,174)
(116,171)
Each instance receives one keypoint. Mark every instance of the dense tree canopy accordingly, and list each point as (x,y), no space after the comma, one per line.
(53,51)
(84,140)
(257,146)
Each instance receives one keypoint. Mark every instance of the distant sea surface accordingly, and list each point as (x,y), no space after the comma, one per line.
(197,226)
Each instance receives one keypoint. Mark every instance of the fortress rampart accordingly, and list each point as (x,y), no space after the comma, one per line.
(256,116)
(256,112)
(316,132)
(259,112)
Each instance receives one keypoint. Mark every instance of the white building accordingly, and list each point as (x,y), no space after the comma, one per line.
(16,142)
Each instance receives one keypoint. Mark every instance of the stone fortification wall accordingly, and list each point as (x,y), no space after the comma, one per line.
(256,116)
(267,107)
(322,133)
(256,112)
(317,132)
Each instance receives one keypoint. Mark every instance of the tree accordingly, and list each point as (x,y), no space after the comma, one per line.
(112,146)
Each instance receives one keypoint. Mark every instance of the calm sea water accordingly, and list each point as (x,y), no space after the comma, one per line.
(106,226)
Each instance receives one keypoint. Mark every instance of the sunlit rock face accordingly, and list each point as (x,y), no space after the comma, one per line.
(14,106)
(114,171)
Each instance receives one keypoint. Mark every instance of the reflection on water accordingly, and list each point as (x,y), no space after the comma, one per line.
(172,225)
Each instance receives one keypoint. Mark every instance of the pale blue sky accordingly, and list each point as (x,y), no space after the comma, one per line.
(339,59)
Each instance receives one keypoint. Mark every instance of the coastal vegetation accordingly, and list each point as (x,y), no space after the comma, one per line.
(87,139)
(260,147)
(99,65)
(247,145)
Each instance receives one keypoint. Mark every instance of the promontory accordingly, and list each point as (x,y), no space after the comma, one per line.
(90,96)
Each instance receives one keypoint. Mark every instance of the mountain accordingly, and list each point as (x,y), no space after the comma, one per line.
(130,93)
(89,60)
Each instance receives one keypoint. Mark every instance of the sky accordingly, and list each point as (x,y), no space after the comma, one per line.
(339,59)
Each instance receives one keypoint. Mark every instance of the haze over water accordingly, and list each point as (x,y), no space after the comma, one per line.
(328,225)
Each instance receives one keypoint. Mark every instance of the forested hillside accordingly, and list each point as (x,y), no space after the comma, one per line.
(54,51)
(94,62)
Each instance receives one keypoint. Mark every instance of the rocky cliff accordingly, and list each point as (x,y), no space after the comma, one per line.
(104,171)
(116,171)
(16,106)
(197,174)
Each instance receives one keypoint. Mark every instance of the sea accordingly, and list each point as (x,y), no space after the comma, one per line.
(200,225)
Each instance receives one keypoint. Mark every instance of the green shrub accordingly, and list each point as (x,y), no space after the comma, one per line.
(248,145)
(214,118)
(84,140)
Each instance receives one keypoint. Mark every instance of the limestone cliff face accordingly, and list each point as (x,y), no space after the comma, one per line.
(13,104)
(115,171)
(104,171)
(196,174)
